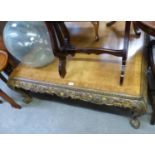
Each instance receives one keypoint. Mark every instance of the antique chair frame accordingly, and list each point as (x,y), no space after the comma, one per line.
(60,39)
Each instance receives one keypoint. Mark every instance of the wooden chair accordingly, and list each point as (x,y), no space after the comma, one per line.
(62,47)
(3,64)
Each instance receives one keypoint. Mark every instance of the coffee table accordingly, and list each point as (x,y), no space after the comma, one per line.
(93,78)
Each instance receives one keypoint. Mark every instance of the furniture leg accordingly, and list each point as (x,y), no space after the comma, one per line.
(54,29)
(9,100)
(62,66)
(152,122)
(150,69)
(26,97)
(150,54)
(96,27)
(3,78)
(134,121)
(123,70)
(136,30)
(125,50)
(152,100)
(66,33)
(9,68)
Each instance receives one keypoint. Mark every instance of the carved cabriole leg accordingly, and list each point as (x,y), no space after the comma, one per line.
(9,100)
(62,66)
(26,97)
(135,123)
(96,27)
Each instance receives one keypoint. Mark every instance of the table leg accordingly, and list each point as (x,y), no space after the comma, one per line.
(134,121)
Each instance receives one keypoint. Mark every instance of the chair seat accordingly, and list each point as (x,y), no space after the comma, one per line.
(3,59)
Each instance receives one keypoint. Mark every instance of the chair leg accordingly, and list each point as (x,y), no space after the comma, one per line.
(125,50)
(153,116)
(152,122)
(9,100)
(152,100)
(136,30)
(62,66)
(96,27)
(123,70)
(3,78)
(150,90)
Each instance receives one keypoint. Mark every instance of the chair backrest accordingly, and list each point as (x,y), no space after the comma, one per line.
(3,59)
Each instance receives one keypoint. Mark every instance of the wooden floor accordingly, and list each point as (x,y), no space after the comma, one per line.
(91,71)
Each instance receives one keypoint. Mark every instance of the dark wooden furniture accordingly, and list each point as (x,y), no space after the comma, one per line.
(151,77)
(96,27)
(149,28)
(3,64)
(62,46)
